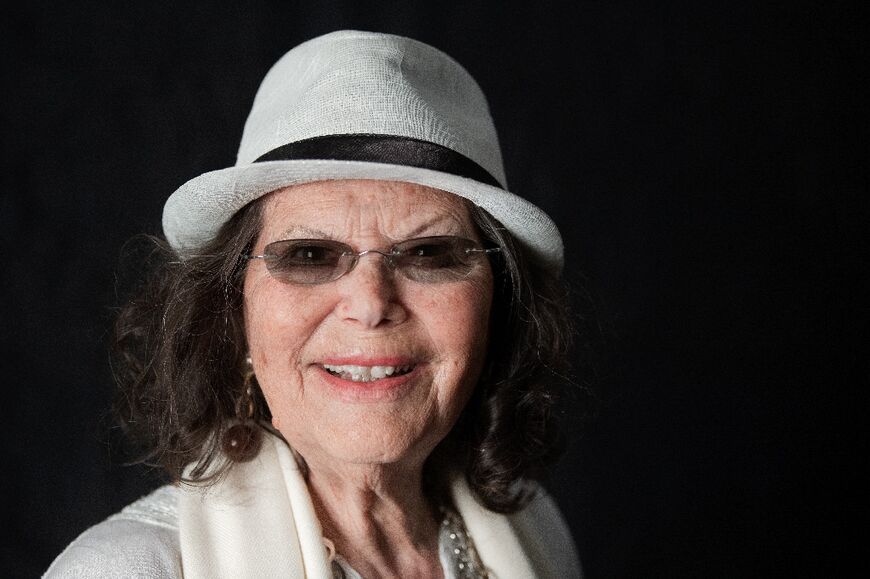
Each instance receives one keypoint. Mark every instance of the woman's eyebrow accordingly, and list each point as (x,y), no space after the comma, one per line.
(455,227)
(300,231)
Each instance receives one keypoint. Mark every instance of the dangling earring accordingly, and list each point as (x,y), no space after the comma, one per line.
(242,441)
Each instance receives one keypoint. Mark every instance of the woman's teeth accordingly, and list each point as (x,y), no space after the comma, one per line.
(366,373)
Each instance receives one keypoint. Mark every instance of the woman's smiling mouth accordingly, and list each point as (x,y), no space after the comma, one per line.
(371,378)
(358,373)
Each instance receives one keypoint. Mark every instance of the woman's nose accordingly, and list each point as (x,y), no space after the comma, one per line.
(369,294)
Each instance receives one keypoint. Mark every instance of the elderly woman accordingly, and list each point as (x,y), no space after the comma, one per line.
(346,359)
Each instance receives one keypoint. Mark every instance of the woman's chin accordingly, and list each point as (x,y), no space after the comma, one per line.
(385,444)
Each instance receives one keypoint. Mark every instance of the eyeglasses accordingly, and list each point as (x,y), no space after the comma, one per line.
(425,259)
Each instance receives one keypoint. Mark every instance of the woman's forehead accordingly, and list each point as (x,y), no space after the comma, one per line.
(347,208)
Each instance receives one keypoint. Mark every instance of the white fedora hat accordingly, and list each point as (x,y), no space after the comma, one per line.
(363,105)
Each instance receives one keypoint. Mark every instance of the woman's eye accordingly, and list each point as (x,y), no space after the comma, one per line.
(309,254)
(432,256)
(430,250)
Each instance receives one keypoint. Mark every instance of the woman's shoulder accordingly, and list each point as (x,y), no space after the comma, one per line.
(141,541)
(545,534)
(534,541)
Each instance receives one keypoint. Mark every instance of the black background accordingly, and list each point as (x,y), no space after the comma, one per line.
(706,162)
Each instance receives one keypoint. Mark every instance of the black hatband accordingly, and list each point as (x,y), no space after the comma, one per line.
(391,149)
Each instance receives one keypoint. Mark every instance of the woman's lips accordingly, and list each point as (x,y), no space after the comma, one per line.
(368,379)
(368,360)
(358,373)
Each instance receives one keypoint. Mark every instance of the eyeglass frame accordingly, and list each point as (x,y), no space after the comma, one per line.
(388,255)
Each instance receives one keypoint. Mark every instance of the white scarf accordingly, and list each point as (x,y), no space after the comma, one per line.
(259,522)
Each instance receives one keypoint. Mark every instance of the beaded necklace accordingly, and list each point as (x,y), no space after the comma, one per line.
(458,556)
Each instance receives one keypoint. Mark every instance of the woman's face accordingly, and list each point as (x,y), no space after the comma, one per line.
(431,336)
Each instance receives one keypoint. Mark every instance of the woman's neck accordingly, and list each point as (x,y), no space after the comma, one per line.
(378,517)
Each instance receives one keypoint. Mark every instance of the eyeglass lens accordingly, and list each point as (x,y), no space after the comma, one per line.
(426,259)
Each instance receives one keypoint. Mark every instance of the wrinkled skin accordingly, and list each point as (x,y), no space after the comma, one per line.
(365,446)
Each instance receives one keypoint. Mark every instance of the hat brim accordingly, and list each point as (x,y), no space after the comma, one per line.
(195,212)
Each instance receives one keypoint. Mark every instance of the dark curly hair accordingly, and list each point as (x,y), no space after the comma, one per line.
(179,347)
